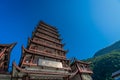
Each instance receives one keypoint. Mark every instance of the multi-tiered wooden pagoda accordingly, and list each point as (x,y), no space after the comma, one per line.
(80,70)
(44,58)
(5,50)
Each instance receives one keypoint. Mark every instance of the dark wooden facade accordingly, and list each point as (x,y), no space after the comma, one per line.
(80,70)
(44,58)
(5,50)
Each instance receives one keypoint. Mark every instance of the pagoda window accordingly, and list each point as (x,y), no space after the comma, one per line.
(58,52)
(41,48)
(35,39)
(49,43)
(27,59)
(57,45)
(63,54)
(35,61)
(34,47)
(73,68)
(64,64)
(48,50)
(1,49)
(38,40)
(82,67)
(41,40)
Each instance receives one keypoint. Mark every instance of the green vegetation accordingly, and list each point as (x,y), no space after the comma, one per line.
(103,65)
(113,47)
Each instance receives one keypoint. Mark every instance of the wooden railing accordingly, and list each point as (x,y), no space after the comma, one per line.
(54,32)
(48,33)
(48,27)
(46,53)
(38,42)
(56,41)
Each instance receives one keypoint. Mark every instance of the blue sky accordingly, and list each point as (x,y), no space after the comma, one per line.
(85,25)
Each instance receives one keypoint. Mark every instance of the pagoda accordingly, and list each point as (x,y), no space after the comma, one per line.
(44,57)
(80,70)
(5,50)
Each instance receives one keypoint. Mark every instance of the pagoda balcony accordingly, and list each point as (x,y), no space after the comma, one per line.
(46,53)
(46,26)
(48,34)
(50,46)
(55,33)
(37,34)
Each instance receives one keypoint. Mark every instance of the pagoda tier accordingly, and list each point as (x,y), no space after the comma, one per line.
(5,50)
(44,29)
(37,35)
(81,71)
(44,55)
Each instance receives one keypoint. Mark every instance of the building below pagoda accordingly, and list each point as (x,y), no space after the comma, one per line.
(5,50)
(80,70)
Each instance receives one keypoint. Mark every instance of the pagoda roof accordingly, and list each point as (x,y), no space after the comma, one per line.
(81,62)
(55,33)
(48,39)
(78,61)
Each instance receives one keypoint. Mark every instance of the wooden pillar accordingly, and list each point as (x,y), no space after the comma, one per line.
(26,78)
(66,78)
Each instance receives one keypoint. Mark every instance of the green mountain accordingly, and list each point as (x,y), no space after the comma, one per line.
(105,62)
(113,47)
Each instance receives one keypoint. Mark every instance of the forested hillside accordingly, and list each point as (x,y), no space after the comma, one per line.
(105,62)
(113,47)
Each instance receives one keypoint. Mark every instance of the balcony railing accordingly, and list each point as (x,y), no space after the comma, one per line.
(48,42)
(48,27)
(56,41)
(53,32)
(46,53)
(48,33)
(38,42)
